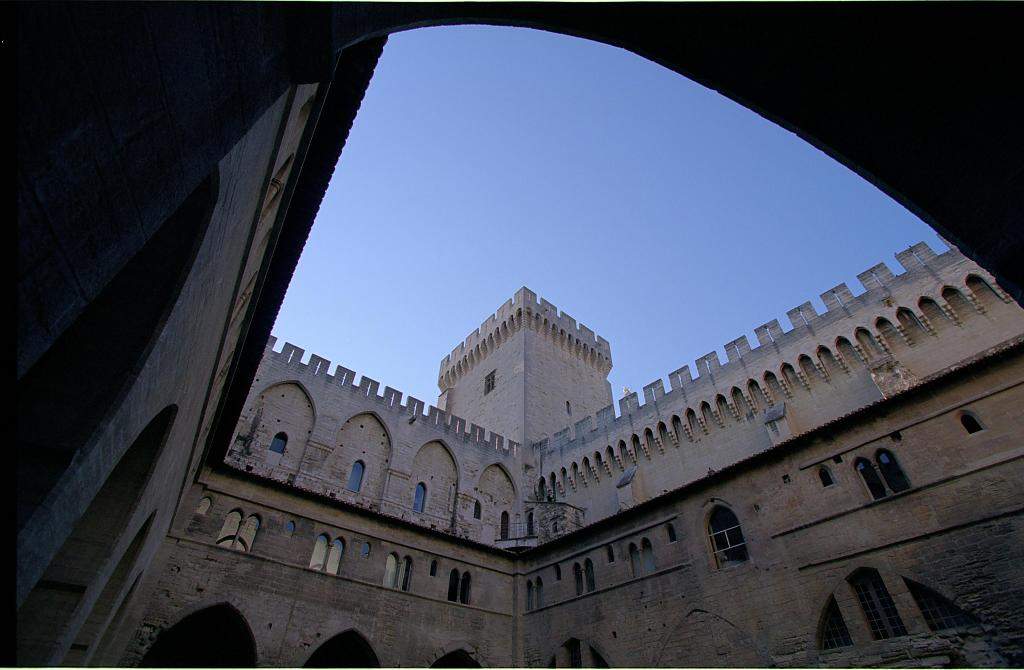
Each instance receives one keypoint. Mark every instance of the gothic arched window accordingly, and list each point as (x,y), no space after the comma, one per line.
(634,560)
(529,595)
(726,536)
(355,477)
(891,471)
(504,525)
(316,562)
(647,555)
(833,632)
(939,613)
(879,608)
(464,589)
(476,509)
(391,571)
(279,442)
(577,575)
(970,423)
(529,524)
(453,585)
(420,499)
(406,573)
(540,592)
(588,571)
(825,476)
(870,477)
(334,556)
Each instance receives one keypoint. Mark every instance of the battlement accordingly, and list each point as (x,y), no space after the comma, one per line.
(451,426)
(524,308)
(925,274)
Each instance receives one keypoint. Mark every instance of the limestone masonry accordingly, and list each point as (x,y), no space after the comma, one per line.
(847,492)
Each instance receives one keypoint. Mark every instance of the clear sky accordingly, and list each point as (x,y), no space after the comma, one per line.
(665,217)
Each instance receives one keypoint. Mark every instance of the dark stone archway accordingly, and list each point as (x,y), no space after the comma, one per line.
(345,650)
(460,658)
(215,637)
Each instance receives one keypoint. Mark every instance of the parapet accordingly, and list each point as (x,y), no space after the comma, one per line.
(924,270)
(524,308)
(451,426)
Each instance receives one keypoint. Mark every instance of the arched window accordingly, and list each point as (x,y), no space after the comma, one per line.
(420,499)
(453,585)
(647,555)
(568,408)
(833,632)
(476,509)
(870,477)
(542,490)
(204,505)
(588,571)
(232,521)
(236,535)
(289,528)
(355,477)
(529,595)
(279,442)
(319,553)
(406,580)
(970,423)
(334,556)
(433,568)
(610,553)
(529,524)
(939,613)
(677,428)
(247,534)
(540,592)
(504,525)
(726,537)
(391,571)
(982,290)
(554,486)
(671,530)
(891,471)
(634,560)
(879,608)
(464,589)
(577,575)
(364,551)
(558,573)
(825,476)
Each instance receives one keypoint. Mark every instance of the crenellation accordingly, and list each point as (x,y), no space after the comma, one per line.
(628,404)
(654,391)
(734,350)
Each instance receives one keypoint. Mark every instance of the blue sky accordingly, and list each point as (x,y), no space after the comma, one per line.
(662,215)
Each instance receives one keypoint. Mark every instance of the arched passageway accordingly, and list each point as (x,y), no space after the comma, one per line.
(460,658)
(49,618)
(215,637)
(345,650)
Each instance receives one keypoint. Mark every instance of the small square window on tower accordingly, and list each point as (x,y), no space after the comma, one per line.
(489,382)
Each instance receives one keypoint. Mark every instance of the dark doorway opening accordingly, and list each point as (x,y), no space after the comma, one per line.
(346,650)
(459,658)
(216,637)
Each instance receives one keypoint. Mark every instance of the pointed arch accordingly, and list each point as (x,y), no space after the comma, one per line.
(939,612)
(847,351)
(939,320)
(827,360)
(958,303)
(349,649)
(832,630)
(912,326)
(217,636)
(361,454)
(983,291)
(437,470)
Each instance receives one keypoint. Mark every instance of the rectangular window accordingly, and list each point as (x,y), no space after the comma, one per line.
(489,382)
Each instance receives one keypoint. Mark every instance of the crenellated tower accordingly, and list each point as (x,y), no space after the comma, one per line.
(527,371)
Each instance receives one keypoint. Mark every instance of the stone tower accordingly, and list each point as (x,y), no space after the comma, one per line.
(527,372)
